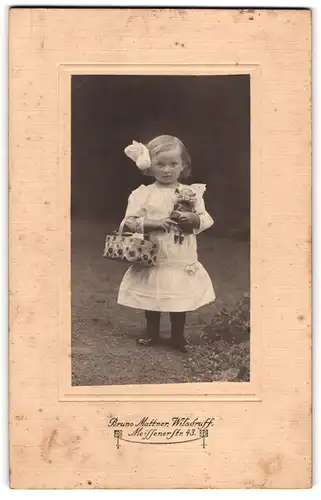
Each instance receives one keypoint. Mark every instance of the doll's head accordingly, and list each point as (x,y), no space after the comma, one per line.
(185,195)
(170,160)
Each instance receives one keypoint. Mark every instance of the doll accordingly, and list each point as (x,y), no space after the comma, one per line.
(185,202)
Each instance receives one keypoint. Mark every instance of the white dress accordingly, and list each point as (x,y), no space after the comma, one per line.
(178,282)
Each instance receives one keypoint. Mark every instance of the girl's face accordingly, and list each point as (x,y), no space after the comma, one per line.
(167,166)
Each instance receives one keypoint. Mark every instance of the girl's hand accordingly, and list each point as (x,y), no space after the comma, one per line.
(189,219)
(163,224)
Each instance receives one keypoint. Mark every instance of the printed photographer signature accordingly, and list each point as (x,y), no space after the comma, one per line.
(154,431)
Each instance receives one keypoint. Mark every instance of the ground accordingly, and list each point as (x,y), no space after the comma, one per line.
(104,351)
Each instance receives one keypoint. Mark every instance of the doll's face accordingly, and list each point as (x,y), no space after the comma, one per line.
(186,194)
(167,166)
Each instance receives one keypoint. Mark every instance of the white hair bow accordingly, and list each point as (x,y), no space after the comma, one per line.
(139,153)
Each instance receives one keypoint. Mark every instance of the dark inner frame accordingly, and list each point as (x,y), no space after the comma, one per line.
(211,115)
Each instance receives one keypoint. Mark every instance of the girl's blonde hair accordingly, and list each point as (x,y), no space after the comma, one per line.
(164,143)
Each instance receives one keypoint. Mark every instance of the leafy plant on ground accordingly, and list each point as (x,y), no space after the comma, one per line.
(231,326)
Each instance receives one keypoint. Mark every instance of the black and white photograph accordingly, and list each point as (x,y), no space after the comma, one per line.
(160,229)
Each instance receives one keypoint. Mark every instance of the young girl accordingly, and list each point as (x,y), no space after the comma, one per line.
(178,283)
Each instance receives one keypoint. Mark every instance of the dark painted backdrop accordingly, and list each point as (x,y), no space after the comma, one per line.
(210,114)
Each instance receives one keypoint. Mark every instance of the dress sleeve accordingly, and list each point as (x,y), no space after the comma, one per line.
(135,211)
(135,202)
(206,220)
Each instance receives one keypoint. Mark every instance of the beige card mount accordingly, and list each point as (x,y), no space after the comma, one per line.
(67,432)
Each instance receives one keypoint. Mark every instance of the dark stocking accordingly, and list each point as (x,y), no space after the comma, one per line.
(152,323)
(152,328)
(178,323)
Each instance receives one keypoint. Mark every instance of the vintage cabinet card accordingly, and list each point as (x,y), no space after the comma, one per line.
(160,295)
